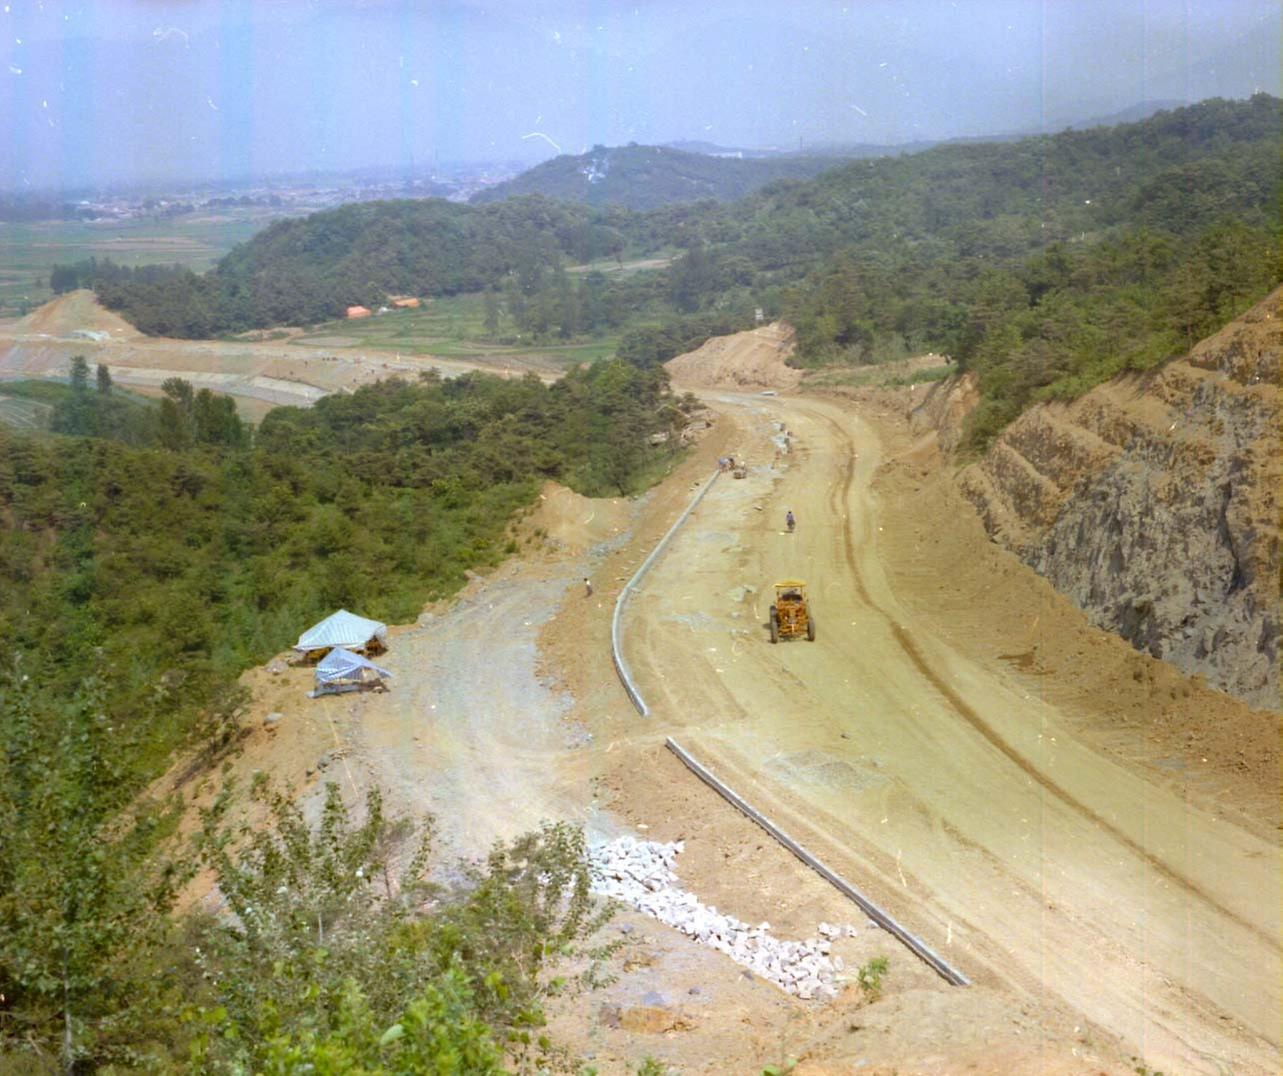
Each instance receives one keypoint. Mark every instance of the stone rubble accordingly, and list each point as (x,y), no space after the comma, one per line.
(642,875)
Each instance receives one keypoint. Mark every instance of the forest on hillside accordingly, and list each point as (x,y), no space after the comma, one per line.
(150,554)
(1047,263)
(647,177)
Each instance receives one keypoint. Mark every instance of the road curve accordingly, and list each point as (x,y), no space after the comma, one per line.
(964,806)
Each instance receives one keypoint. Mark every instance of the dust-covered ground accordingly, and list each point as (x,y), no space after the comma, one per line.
(471,731)
(1004,819)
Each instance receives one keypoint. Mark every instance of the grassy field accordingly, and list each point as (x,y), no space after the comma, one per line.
(450,327)
(29,251)
(31,397)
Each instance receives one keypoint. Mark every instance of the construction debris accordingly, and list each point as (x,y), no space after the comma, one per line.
(641,874)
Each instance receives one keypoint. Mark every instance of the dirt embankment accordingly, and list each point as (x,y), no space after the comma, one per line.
(1152,502)
(756,359)
(76,312)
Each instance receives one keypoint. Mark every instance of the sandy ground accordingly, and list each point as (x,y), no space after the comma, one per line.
(1023,791)
(259,375)
(983,809)
(742,361)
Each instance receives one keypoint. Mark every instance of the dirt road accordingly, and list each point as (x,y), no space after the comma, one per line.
(969,806)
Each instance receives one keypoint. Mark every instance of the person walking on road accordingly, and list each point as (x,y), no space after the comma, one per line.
(587,587)
(789,520)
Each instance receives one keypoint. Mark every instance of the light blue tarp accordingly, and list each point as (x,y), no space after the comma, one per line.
(342,629)
(342,670)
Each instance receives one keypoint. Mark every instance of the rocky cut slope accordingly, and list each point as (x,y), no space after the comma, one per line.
(1152,502)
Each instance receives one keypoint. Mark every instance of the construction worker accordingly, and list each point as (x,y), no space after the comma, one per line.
(789,521)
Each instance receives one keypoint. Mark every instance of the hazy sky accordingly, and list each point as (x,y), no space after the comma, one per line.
(98,92)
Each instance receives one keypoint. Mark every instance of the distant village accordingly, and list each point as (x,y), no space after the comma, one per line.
(269,198)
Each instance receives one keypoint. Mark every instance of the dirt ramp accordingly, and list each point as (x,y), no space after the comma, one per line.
(574,524)
(76,312)
(749,360)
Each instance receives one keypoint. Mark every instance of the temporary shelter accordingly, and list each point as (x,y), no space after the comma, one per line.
(341,670)
(343,629)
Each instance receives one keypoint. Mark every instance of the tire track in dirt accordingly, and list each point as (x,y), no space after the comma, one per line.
(976,721)
(1055,896)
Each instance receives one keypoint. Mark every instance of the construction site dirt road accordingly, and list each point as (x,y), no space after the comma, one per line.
(974,808)
(1069,823)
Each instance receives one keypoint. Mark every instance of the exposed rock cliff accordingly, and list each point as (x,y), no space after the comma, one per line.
(1153,503)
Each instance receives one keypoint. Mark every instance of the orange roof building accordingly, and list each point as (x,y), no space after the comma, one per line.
(358,312)
(405,302)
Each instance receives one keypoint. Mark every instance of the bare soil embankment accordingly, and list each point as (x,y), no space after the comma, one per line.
(471,730)
(741,362)
(995,809)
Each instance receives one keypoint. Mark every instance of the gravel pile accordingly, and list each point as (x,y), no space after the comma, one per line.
(642,875)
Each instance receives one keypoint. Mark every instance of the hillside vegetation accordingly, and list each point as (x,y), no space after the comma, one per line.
(647,177)
(1046,263)
(143,567)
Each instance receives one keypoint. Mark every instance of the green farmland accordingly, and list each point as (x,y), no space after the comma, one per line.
(450,327)
(29,251)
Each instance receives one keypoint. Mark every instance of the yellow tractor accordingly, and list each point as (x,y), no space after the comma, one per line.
(790,615)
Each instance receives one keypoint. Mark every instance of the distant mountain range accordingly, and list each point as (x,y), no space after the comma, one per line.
(645,177)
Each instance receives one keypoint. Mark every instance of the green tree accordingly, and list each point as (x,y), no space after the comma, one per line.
(325,959)
(76,414)
(214,420)
(82,899)
(176,419)
(79,374)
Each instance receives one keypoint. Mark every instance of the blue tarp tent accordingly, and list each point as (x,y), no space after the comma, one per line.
(343,629)
(341,670)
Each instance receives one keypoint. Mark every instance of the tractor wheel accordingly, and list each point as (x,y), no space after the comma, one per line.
(775,625)
(810,628)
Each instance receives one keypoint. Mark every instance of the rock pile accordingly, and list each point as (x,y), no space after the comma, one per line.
(642,875)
